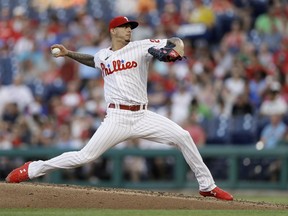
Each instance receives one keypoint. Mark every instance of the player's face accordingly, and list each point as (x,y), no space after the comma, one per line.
(124,32)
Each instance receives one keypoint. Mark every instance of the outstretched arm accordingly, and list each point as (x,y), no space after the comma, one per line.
(85,59)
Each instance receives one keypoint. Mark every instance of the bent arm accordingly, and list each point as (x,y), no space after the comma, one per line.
(85,59)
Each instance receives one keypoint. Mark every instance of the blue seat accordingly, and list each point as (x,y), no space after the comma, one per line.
(243,130)
(251,168)
(217,130)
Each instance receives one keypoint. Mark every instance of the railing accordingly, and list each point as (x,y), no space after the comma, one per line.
(232,155)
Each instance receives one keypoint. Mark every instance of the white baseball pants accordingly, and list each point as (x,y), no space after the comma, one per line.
(120,125)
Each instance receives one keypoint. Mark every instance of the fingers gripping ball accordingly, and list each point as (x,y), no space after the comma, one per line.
(55,51)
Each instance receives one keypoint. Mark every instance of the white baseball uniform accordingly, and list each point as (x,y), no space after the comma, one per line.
(125,83)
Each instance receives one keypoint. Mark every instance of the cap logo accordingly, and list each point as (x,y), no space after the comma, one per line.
(126,18)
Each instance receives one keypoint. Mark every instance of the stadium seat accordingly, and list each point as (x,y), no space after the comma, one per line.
(243,130)
(217,130)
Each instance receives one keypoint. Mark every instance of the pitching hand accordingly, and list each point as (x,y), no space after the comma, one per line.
(63,50)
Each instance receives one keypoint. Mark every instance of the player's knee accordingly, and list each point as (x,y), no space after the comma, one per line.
(85,157)
(185,134)
(181,139)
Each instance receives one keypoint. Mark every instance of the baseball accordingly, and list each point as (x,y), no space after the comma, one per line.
(55,51)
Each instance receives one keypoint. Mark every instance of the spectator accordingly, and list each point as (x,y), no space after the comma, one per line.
(233,40)
(82,126)
(274,132)
(273,103)
(201,110)
(170,19)
(270,27)
(127,7)
(68,71)
(280,57)
(17,93)
(144,31)
(19,20)
(202,14)
(58,110)
(224,15)
(25,45)
(147,6)
(135,167)
(180,101)
(234,86)
(221,109)
(94,100)
(7,34)
(158,98)
(242,106)
(72,98)
(257,86)
(244,10)
(7,64)
(204,95)
(268,22)
(84,26)
(158,168)
(266,59)
(5,142)
(11,113)
(222,6)
(64,140)
(203,62)
(45,137)
(272,136)
(195,130)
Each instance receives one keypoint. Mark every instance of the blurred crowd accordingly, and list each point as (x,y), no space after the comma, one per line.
(232,89)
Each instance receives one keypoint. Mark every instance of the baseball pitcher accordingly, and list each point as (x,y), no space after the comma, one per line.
(124,68)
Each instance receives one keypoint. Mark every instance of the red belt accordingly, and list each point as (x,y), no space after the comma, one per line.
(128,107)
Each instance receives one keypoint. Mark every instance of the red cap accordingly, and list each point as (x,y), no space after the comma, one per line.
(121,20)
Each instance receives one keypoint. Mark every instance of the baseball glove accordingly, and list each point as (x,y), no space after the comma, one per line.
(170,53)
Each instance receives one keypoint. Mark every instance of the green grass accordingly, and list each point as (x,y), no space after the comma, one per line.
(95,212)
(270,199)
(275,197)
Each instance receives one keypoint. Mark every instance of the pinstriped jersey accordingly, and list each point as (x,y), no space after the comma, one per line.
(125,71)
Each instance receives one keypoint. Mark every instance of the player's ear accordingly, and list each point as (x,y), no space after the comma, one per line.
(112,31)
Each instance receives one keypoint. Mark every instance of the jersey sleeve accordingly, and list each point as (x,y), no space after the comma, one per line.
(157,43)
(97,60)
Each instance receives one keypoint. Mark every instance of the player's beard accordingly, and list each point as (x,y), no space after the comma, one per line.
(128,38)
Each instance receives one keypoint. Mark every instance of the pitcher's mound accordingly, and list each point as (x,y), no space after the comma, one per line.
(37,195)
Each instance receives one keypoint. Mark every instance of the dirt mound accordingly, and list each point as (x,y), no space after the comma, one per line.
(36,195)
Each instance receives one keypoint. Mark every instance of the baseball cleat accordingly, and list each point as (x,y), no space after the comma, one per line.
(217,193)
(19,174)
